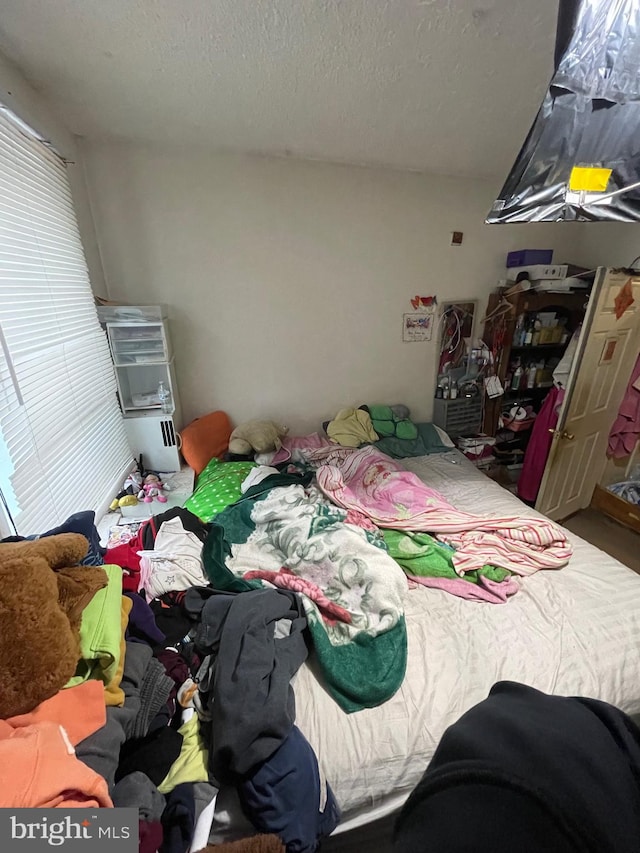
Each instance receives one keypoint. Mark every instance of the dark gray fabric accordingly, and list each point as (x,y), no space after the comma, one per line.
(252,703)
(137,790)
(529,772)
(101,750)
(154,694)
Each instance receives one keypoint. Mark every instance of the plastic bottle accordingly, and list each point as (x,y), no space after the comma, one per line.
(537,326)
(517,378)
(454,390)
(531,375)
(528,335)
(518,332)
(164,395)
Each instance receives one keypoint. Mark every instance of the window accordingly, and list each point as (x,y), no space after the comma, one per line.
(62,442)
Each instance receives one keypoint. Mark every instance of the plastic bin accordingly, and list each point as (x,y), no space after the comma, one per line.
(131,313)
(518,426)
(526,257)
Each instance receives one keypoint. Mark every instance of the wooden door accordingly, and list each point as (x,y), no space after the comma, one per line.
(607,351)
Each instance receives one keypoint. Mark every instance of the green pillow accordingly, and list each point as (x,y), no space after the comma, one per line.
(427,441)
(218,487)
(386,423)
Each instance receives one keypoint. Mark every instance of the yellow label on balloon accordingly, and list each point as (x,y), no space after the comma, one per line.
(591,179)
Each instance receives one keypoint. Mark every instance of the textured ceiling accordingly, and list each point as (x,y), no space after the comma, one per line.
(447,86)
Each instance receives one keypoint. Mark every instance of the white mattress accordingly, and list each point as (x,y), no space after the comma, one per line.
(575,631)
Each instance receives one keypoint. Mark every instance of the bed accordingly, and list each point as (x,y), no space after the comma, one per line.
(575,631)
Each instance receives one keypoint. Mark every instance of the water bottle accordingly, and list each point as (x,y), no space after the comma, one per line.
(164,395)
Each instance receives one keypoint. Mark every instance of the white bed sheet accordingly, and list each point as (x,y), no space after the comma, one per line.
(575,631)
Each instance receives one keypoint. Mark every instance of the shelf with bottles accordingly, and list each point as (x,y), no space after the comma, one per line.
(524,393)
(558,346)
(146,388)
(447,388)
(536,329)
(524,377)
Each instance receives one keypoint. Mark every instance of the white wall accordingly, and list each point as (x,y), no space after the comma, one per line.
(287,280)
(32,108)
(611,244)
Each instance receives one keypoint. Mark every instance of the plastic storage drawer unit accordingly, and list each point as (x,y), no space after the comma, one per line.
(459,416)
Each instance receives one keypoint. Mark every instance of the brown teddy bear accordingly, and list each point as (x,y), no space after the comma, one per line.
(42,595)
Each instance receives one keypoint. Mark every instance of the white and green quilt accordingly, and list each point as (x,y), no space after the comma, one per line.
(285,532)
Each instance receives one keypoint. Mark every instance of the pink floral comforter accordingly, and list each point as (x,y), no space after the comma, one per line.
(369,482)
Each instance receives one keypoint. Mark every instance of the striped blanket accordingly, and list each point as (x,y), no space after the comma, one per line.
(368,481)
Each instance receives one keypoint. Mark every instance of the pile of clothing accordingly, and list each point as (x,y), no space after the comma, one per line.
(471,556)
(628,490)
(132,682)
(154,672)
(389,428)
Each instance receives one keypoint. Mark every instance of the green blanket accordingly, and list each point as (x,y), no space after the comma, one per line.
(285,532)
(423,556)
(427,441)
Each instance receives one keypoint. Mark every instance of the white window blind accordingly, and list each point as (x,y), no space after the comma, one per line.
(63,446)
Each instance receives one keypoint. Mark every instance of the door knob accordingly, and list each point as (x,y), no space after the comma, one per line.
(564,434)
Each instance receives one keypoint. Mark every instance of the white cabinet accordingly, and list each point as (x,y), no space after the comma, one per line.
(155,437)
(137,344)
(142,355)
(142,358)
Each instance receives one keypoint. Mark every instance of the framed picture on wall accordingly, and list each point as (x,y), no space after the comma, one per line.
(417,326)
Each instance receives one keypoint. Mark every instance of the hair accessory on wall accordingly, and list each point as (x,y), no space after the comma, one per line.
(423,302)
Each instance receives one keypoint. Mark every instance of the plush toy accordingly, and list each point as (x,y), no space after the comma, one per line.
(152,488)
(42,595)
(256,437)
(128,495)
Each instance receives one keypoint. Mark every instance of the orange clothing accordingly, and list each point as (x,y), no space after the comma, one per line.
(39,769)
(81,710)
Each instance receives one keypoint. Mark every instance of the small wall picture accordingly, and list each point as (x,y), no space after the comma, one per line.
(417,326)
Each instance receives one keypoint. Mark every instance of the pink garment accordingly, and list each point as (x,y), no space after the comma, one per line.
(626,427)
(286,579)
(485,590)
(359,519)
(376,485)
(539,446)
(299,447)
